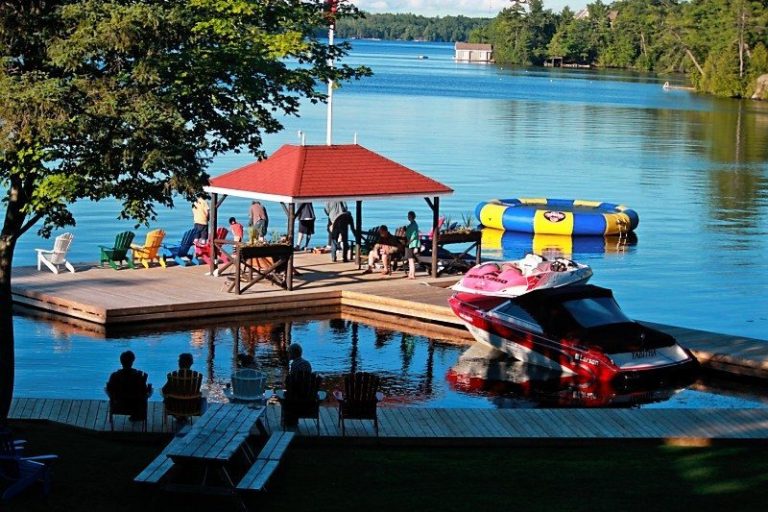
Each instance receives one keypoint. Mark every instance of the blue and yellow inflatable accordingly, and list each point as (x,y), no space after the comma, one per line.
(557,216)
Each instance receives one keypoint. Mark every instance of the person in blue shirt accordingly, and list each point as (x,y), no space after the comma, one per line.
(412,244)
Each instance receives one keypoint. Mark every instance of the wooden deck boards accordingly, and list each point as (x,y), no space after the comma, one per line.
(456,425)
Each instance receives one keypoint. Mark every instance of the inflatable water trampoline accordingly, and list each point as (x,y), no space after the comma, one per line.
(557,216)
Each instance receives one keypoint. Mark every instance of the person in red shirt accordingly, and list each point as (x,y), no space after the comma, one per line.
(237,229)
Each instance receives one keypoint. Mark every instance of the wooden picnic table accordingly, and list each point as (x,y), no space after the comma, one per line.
(254,263)
(214,442)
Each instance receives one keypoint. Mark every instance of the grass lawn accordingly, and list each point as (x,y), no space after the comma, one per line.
(95,473)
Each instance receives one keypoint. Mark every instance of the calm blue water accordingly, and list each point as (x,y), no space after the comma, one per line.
(695,169)
(415,371)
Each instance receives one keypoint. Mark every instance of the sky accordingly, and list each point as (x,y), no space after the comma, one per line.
(472,8)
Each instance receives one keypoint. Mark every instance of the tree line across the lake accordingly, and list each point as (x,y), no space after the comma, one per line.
(720,44)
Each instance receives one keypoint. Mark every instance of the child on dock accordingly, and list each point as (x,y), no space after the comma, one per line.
(237,229)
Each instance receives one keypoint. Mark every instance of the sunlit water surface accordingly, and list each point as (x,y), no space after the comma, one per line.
(694,168)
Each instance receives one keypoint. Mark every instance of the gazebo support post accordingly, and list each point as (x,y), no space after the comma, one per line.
(213,221)
(358,232)
(434,204)
(290,211)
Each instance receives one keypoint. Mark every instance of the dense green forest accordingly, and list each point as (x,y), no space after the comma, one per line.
(409,27)
(720,44)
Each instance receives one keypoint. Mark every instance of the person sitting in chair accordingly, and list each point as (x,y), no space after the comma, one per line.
(128,390)
(387,246)
(185,382)
(298,363)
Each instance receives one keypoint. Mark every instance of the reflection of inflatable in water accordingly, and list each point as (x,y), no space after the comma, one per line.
(514,244)
(485,371)
(557,216)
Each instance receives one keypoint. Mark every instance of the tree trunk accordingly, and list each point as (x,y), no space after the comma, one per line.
(7,362)
(695,62)
(12,229)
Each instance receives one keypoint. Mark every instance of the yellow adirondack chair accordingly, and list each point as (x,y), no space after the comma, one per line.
(147,253)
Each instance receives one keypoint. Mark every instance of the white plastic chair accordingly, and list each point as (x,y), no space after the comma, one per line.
(57,256)
(247,386)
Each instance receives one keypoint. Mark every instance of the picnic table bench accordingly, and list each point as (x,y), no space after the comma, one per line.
(216,452)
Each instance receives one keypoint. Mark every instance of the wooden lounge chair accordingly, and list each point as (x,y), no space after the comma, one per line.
(301,399)
(129,398)
(57,256)
(247,386)
(182,398)
(147,253)
(203,249)
(18,472)
(180,253)
(118,253)
(359,399)
(368,240)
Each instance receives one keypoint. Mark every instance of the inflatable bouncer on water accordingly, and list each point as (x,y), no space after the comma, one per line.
(557,216)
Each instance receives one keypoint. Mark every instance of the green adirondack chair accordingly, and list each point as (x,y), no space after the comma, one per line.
(118,253)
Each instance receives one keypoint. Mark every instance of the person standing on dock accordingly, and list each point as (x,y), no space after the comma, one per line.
(200,218)
(257,222)
(339,222)
(412,244)
(306,215)
(237,229)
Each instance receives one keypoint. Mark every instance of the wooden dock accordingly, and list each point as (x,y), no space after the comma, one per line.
(463,426)
(103,297)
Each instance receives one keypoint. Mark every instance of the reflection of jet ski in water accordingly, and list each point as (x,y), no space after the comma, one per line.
(509,383)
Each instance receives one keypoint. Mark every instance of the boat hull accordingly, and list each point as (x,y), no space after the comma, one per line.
(566,356)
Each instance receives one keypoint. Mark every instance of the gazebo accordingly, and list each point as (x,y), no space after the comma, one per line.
(318,173)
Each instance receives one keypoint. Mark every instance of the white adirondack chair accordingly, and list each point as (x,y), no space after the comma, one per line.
(247,386)
(57,256)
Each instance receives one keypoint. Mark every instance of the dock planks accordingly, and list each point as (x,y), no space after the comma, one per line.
(455,425)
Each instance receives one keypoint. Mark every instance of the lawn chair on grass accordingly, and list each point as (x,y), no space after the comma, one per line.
(182,398)
(118,253)
(180,253)
(359,399)
(301,399)
(247,386)
(57,256)
(17,472)
(147,253)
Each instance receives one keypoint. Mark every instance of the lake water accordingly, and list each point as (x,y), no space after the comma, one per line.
(695,169)
(416,371)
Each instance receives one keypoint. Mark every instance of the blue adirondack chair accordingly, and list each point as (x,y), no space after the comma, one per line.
(181,252)
(118,253)
(17,472)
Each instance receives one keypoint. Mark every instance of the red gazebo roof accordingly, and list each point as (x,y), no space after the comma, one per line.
(349,172)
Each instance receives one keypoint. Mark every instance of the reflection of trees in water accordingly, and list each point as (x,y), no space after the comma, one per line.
(353,352)
(382,336)
(738,138)
(267,343)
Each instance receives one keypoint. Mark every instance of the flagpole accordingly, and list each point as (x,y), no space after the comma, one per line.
(329,116)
